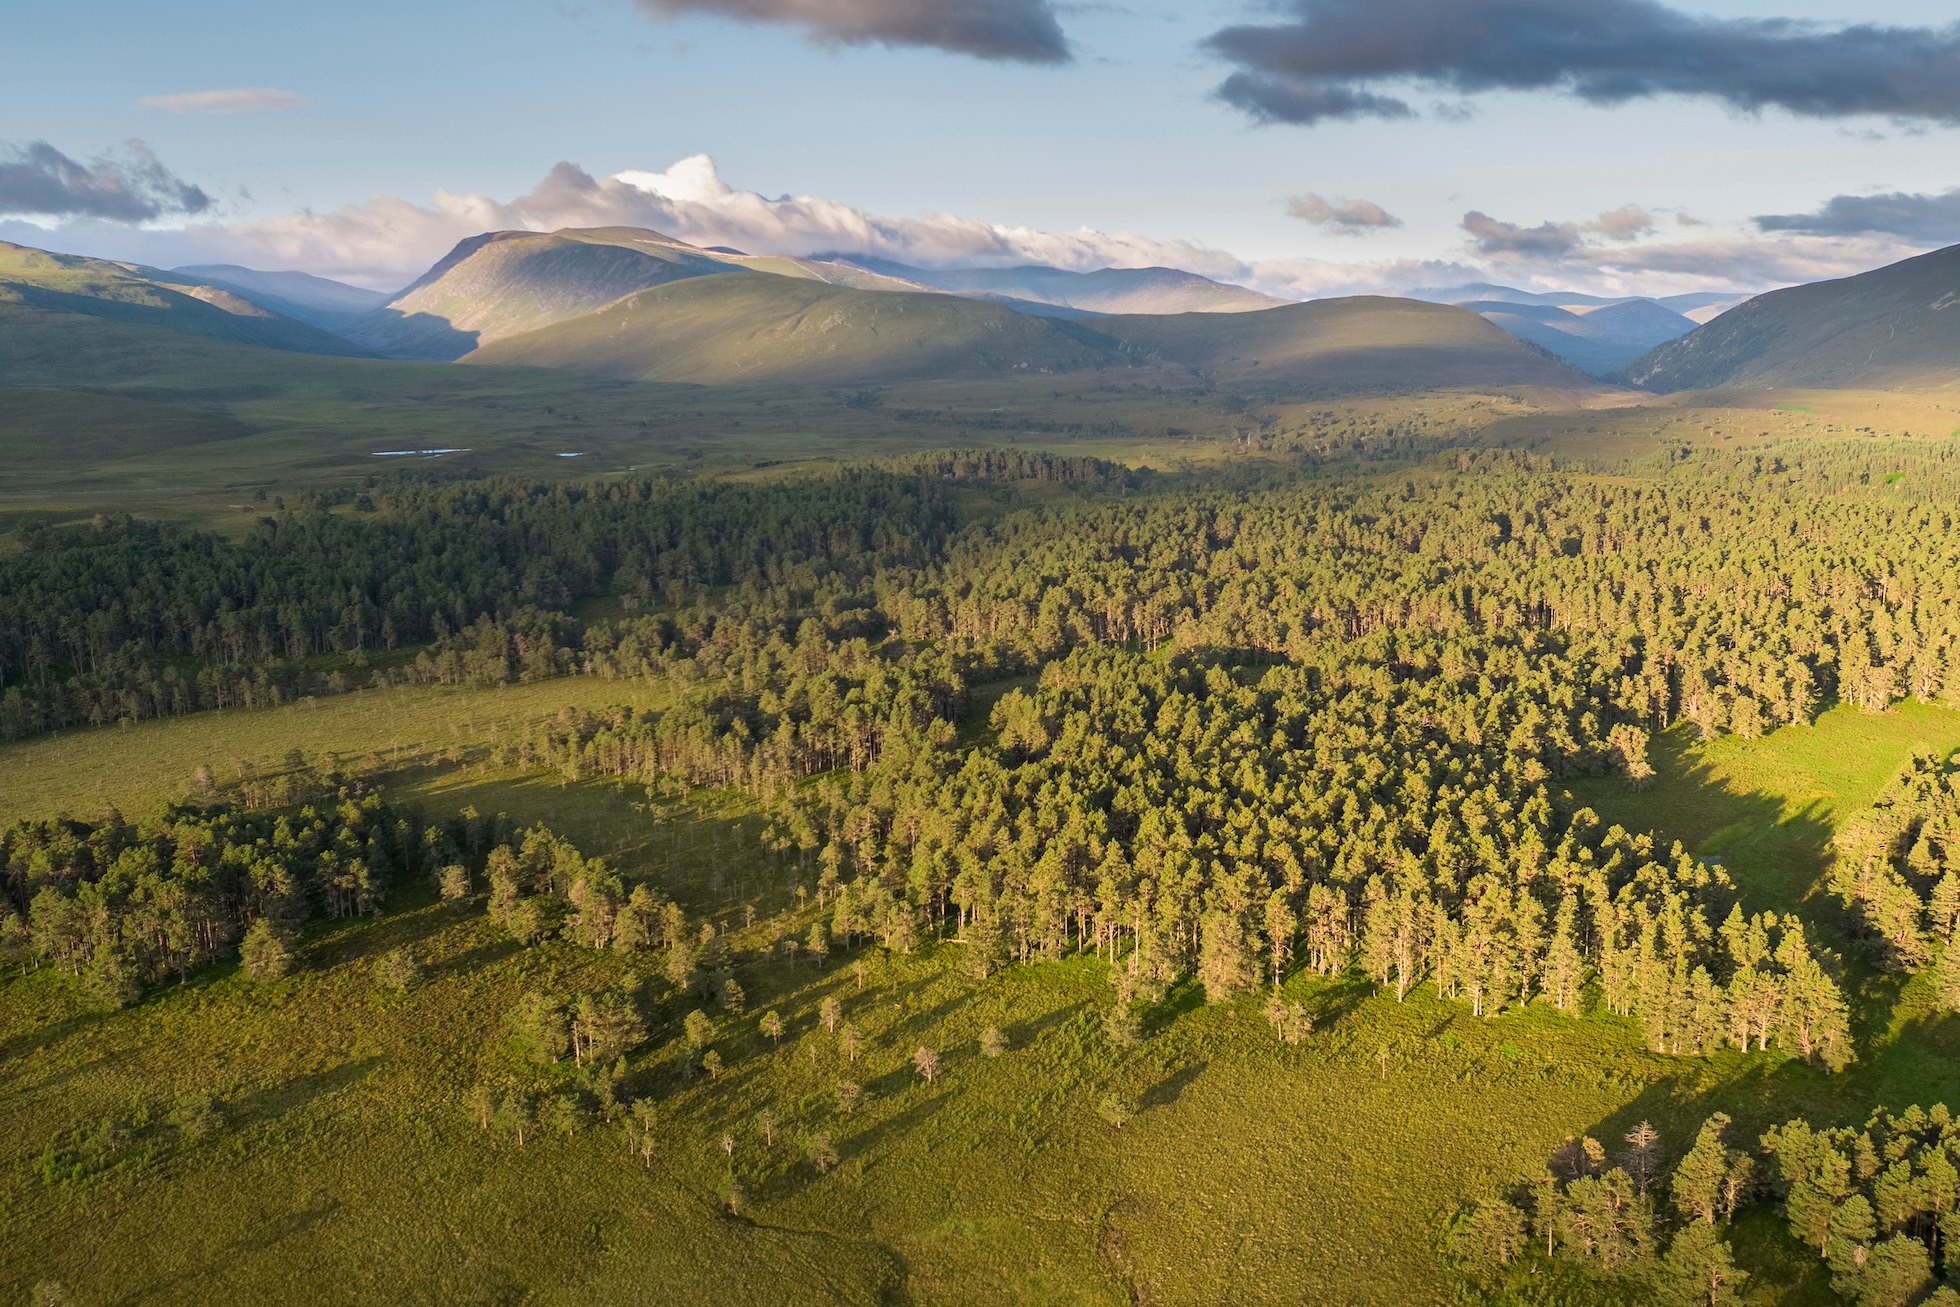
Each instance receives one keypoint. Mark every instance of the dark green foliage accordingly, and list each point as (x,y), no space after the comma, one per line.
(1880,1203)
(1491,1232)
(126,905)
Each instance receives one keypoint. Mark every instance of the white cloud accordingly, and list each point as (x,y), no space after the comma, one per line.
(388,241)
(244,99)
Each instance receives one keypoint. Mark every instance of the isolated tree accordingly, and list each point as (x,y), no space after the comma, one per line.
(712,1064)
(730,1193)
(818,943)
(699,1029)
(1122,1027)
(820,1150)
(397,969)
(765,1121)
(993,1042)
(848,1094)
(266,952)
(1289,1019)
(830,1012)
(642,1137)
(1117,1109)
(850,1042)
(732,996)
(771,1025)
(926,1062)
(682,964)
(196,1115)
(483,1104)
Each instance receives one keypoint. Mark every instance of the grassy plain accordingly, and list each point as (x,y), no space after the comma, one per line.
(351,1167)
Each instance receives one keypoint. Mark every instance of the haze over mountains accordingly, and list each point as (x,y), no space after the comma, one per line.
(633,304)
(1596,334)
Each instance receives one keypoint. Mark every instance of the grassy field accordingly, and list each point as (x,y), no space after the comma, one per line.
(410,729)
(1312,1174)
(351,1154)
(1767,809)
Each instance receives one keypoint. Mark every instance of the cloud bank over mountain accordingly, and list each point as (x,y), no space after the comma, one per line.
(387,241)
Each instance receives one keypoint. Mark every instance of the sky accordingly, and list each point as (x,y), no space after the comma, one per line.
(1305,147)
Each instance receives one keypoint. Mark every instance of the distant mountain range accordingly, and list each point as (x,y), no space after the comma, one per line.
(329,305)
(1108,290)
(633,304)
(504,283)
(1594,333)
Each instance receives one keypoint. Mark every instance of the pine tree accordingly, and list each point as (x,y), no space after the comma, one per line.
(1699,1270)
(266,952)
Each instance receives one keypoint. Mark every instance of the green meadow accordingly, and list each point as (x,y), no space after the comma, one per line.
(352,1166)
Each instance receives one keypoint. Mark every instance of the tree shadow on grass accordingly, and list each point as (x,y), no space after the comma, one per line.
(1026,1034)
(262,1238)
(29,1042)
(893,1127)
(269,1104)
(1919,1065)
(1777,858)
(1166,1092)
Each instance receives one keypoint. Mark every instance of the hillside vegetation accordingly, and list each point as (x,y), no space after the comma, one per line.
(36,287)
(506,283)
(980,876)
(1360,343)
(1897,326)
(779,330)
(735,330)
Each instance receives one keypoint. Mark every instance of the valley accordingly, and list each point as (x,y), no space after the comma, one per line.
(643,771)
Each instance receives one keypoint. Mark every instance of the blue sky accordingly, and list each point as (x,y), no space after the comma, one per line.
(405,100)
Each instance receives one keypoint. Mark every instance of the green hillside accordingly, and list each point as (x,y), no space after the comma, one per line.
(506,283)
(1897,326)
(36,287)
(728,330)
(752,329)
(1361,342)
